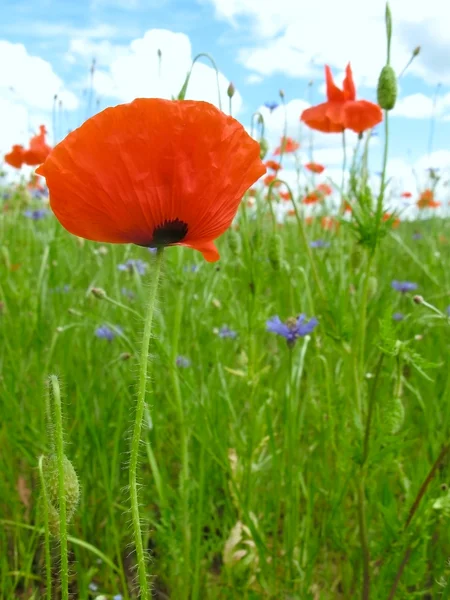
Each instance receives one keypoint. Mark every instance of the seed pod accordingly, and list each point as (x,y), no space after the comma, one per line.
(393,415)
(231,90)
(276,251)
(71,486)
(387,88)
(264,147)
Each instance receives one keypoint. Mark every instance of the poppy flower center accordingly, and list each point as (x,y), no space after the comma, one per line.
(169,232)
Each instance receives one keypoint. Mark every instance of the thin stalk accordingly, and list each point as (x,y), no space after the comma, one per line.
(198,533)
(372,400)
(344,168)
(136,438)
(59,443)
(383,171)
(48,559)
(365,595)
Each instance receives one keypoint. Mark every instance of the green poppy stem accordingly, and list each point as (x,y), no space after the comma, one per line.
(136,438)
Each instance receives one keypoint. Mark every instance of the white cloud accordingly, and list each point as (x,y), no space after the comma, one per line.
(254,78)
(292,39)
(139,71)
(103,51)
(420,106)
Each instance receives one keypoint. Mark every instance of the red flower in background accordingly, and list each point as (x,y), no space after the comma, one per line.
(268,180)
(406,194)
(325,189)
(395,222)
(35,155)
(329,223)
(426,200)
(286,146)
(153,173)
(285,196)
(312,197)
(341,110)
(315,167)
(273,165)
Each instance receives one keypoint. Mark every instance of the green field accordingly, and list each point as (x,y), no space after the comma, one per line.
(267,470)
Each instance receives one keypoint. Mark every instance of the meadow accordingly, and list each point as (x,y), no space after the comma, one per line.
(296,426)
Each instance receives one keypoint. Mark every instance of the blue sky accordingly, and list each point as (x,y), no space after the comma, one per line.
(261,45)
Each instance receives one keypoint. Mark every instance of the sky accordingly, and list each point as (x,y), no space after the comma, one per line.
(145,48)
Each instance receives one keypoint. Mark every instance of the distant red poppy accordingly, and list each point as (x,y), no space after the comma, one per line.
(341,110)
(153,173)
(315,167)
(395,222)
(35,183)
(426,200)
(329,223)
(325,189)
(312,198)
(15,157)
(268,179)
(347,206)
(309,220)
(285,196)
(286,146)
(273,165)
(406,194)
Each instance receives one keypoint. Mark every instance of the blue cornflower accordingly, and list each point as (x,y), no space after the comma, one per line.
(118,597)
(134,265)
(37,214)
(183,362)
(271,105)
(106,333)
(226,332)
(319,244)
(293,328)
(398,316)
(93,586)
(127,293)
(404,286)
(61,289)
(191,268)
(417,235)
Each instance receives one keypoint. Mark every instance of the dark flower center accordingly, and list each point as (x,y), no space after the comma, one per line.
(169,232)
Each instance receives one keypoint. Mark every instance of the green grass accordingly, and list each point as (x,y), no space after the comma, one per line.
(270,502)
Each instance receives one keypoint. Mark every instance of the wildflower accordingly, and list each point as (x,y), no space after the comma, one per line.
(347,206)
(319,244)
(312,198)
(406,194)
(132,174)
(106,333)
(268,179)
(134,265)
(417,235)
(426,200)
(286,146)
(15,157)
(325,189)
(404,286)
(36,215)
(285,196)
(117,597)
(127,293)
(293,328)
(395,221)
(93,586)
(38,150)
(315,167)
(191,268)
(183,362)
(272,164)
(226,332)
(271,105)
(341,110)
(329,223)
(398,316)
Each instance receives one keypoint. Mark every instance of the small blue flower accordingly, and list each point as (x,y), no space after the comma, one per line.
(93,586)
(36,215)
(319,244)
(271,105)
(106,333)
(226,332)
(404,286)
(398,316)
(61,289)
(118,597)
(417,235)
(127,293)
(293,328)
(183,362)
(134,265)
(191,268)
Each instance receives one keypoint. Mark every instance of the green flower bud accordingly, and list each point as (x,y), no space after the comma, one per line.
(231,90)
(393,415)
(71,487)
(264,148)
(234,242)
(372,286)
(276,251)
(387,88)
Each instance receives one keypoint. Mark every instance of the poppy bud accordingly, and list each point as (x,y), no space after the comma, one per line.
(234,242)
(98,293)
(71,488)
(276,251)
(264,147)
(416,51)
(231,90)
(387,88)
(388,21)
(281,92)
(372,286)
(393,415)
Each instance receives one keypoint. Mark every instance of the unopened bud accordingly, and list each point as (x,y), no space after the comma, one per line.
(387,88)
(263,148)
(393,415)
(98,293)
(416,51)
(418,299)
(388,21)
(281,92)
(372,286)
(71,489)
(231,90)
(276,251)
(125,356)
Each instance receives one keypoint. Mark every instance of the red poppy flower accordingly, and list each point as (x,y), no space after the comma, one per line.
(273,165)
(312,197)
(395,222)
(286,146)
(329,224)
(325,189)
(154,173)
(347,206)
(268,180)
(341,110)
(39,149)
(426,200)
(285,196)
(406,194)
(15,158)
(315,167)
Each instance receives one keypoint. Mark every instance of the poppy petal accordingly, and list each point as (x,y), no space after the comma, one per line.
(208,249)
(152,172)
(334,94)
(349,84)
(317,118)
(361,115)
